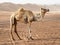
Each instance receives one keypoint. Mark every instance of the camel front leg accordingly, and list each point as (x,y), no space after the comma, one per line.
(29,30)
(12,26)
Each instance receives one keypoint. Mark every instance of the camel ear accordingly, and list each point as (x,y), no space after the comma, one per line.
(21,9)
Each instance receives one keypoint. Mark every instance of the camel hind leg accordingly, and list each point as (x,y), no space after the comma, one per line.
(11,27)
(15,28)
(11,35)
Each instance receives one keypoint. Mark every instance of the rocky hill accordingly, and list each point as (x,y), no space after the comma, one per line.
(7,6)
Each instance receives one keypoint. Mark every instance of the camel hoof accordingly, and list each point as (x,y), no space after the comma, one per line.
(20,38)
(13,39)
(30,38)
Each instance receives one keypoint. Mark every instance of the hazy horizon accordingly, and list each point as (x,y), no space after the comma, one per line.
(39,2)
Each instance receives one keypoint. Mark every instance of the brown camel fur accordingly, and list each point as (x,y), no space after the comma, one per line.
(24,16)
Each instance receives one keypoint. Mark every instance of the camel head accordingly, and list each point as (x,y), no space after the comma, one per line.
(42,13)
(43,10)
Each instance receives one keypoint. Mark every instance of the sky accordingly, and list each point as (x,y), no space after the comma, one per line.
(43,2)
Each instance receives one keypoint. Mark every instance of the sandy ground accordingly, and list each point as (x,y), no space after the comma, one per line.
(44,33)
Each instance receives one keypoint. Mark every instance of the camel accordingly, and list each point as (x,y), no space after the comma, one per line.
(27,17)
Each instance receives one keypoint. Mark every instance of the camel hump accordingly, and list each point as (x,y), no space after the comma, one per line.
(21,9)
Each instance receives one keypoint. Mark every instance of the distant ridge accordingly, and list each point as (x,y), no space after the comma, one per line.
(7,6)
